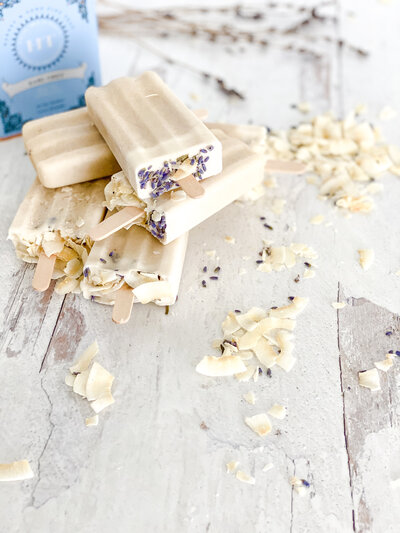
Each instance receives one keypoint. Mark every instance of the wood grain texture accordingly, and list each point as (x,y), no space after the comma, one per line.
(156,461)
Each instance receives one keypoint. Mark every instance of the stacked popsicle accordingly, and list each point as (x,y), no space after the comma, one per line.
(170,171)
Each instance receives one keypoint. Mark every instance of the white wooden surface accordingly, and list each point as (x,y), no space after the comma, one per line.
(156,462)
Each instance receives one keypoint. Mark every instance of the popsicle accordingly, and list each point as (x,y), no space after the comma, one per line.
(174,213)
(156,139)
(67,148)
(51,229)
(133,266)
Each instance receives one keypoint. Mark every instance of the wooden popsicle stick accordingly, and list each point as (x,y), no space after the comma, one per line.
(44,271)
(115,222)
(123,305)
(189,184)
(202,114)
(288,167)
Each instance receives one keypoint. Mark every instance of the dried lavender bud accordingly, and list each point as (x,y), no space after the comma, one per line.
(203,283)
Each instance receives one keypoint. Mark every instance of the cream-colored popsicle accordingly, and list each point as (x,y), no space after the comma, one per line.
(133,258)
(51,228)
(155,138)
(174,213)
(67,148)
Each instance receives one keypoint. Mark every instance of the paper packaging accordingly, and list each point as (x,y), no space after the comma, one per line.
(48,58)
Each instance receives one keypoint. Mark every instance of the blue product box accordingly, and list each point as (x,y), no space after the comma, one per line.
(48,58)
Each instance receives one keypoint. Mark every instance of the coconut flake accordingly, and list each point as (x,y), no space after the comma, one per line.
(16,471)
(211,253)
(292,310)
(153,290)
(99,382)
(245,478)
(80,381)
(247,374)
(231,467)
(250,397)
(338,305)
(369,379)
(309,273)
(69,380)
(229,239)
(85,359)
(386,364)
(278,411)
(304,107)
(285,359)
(387,113)
(250,320)
(260,424)
(102,402)
(92,421)
(230,324)
(265,353)
(225,365)
(366,258)
(268,467)
(317,219)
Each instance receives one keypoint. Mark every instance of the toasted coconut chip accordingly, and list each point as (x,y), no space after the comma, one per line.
(226,365)
(66,285)
(338,305)
(69,380)
(16,471)
(211,253)
(386,364)
(74,268)
(278,411)
(265,353)
(154,290)
(85,359)
(366,258)
(92,420)
(80,382)
(308,273)
(285,359)
(249,339)
(245,478)
(230,324)
(260,424)
(304,107)
(267,467)
(246,355)
(317,219)
(298,485)
(292,310)
(247,374)
(99,382)
(231,466)
(249,320)
(229,239)
(250,397)
(369,379)
(102,402)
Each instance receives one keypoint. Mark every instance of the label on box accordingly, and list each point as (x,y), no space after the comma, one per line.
(48,58)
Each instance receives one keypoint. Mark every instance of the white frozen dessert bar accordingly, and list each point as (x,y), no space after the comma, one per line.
(132,260)
(174,213)
(155,138)
(51,228)
(67,148)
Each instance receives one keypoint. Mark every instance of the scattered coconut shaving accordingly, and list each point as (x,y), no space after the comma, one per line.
(277,258)
(317,219)
(225,365)
(268,467)
(260,424)
(345,156)
(278,411)
(338,305)
(229,239)
(366,258)
(369,379)
(304,107)
(90,380)
(231,467)
(250,397)
(386,364)
(299,486)
(16,471)
(245,478)
(387,113)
